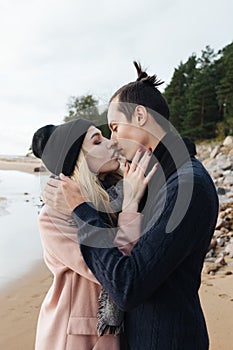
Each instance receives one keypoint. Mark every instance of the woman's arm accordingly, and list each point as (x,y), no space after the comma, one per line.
(128,233)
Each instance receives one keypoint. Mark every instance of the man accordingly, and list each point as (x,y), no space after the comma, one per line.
(158,284)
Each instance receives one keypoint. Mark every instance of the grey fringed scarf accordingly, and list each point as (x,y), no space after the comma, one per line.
(110,317)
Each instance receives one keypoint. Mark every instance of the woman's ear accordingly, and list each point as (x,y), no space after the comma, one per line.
(140,115)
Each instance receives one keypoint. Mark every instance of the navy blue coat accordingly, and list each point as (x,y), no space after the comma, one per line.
(158,284)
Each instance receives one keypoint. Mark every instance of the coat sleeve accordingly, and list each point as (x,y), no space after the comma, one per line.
(130,280)
(60,241)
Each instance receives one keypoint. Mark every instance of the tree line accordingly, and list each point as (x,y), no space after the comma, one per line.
(200,97)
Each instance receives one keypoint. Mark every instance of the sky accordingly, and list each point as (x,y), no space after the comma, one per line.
(53,49)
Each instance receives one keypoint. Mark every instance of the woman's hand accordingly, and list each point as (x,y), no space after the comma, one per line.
(135,181)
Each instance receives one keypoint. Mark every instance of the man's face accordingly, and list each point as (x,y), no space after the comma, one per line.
(127,134)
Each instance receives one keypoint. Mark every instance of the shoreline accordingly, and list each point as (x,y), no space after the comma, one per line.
(20,300)
(25,164)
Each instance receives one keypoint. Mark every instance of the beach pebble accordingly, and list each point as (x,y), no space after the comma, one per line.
(229,248)
(227,165)
(210,255)
(219,223)
(228,141)
(213,244)
(227,273)
(221,241)
(220,261)
(215,151)
(221,191)
(209,269)
(217,233)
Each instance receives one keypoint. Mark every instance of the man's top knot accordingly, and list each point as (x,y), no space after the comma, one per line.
(145,78)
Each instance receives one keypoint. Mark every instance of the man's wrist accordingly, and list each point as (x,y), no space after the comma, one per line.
(130,208)
(75,205)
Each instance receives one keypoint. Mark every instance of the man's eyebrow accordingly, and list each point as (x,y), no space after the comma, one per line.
(95,134)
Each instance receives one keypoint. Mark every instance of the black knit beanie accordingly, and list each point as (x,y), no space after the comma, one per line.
(59,145)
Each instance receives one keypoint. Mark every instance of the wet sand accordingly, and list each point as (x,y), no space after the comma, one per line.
(19,308)
(20,301)
(216,294)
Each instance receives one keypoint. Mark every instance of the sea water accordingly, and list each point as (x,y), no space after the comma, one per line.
(20,246)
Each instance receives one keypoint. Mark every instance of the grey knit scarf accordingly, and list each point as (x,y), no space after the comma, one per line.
(110,317)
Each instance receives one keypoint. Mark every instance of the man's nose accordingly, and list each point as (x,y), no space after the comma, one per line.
(112,143)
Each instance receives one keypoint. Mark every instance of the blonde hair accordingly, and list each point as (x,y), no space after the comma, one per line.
(91,184)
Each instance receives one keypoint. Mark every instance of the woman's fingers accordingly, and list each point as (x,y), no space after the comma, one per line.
(144,161)
(127,167)
(135,160)
(139,162)
(151,173)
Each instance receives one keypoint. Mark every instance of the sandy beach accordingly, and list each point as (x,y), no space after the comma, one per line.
(20,301)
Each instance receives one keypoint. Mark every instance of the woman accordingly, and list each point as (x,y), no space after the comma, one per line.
(68,315)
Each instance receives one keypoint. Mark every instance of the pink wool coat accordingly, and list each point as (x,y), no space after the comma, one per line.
(67,319)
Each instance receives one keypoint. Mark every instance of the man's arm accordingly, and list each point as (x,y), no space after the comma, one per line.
(60,241)
(129,280)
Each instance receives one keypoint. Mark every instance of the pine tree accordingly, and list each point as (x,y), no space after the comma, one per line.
(176,93)
(202,109)
(225,88)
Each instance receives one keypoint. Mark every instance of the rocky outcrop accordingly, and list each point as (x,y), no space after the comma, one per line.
(218,160)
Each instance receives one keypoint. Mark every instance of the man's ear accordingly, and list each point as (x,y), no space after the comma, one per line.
(140,115)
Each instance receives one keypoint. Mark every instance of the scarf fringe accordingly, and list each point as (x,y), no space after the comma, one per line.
(110,317)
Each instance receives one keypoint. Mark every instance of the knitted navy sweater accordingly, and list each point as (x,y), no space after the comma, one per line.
(158,284)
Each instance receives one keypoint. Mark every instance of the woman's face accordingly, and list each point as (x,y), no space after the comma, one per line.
(99,152)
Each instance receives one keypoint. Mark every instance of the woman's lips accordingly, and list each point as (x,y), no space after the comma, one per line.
(116,153)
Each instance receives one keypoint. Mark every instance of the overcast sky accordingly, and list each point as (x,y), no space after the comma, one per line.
(52,49)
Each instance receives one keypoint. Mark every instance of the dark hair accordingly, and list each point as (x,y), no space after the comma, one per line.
(143,92)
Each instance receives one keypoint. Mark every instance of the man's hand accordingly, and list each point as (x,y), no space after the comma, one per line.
(52,195)
(72,192)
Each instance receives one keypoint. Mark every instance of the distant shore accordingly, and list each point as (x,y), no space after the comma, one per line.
(26,164)
(20,301)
